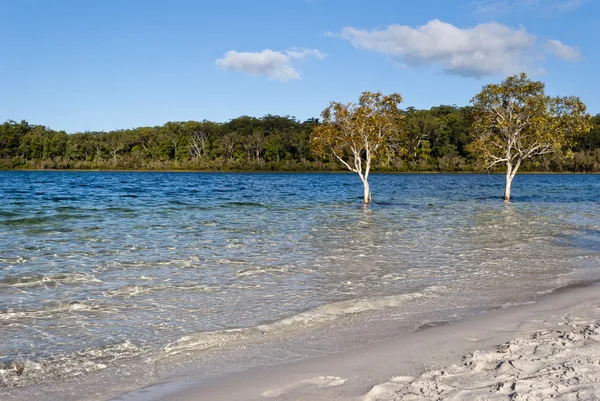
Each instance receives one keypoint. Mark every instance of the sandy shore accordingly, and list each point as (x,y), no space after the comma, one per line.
(548,349)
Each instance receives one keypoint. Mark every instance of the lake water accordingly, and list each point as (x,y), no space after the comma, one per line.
(101,268)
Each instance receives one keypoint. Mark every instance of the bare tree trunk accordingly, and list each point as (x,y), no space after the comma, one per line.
(509,178)
(197,146)
(364,177)
(174,146)
(358,169)
(511,171)
(367,192)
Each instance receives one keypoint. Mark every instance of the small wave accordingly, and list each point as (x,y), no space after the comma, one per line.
(261,270)
(54,309)
(17,260)
(128,291)
(180,202)
(210,223)
(253,204)
(67,209)
(4,213)
(26,221)
(309,319)
(41,220)
(507,305)
(132,290)
(48,281)
(61,198)
(233,262)
(241,230)
(25,371)
(119,209)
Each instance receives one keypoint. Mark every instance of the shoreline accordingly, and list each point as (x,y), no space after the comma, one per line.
(363,371)
(366,372)
(310,172)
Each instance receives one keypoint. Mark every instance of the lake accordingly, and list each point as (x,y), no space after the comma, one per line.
(101,270)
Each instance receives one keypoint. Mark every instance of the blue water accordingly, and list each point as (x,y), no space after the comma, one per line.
(98,267)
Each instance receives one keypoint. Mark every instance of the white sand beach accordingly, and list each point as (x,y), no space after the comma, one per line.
(544,350)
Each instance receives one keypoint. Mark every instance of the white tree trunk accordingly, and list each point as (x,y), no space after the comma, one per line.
(509,178)
(367,193)
(511,171)
(364,176)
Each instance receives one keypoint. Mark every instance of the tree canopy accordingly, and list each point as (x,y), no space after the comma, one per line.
(356,133)
(515,121)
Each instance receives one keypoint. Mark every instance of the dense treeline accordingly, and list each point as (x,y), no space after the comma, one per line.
(437,140)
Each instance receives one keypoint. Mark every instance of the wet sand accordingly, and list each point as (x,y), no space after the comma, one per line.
(550,348)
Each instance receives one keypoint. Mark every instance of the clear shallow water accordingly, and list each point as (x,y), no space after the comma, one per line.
(98,268)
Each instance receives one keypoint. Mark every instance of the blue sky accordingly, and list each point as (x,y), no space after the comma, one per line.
(100,65)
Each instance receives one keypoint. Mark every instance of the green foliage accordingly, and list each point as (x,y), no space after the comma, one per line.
(438,139)
(245,143)
(516,120)
(355,134)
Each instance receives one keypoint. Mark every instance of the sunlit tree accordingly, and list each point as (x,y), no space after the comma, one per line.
(356,133)
(516,120)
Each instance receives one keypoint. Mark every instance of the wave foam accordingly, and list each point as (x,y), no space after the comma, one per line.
(261,270)
(54,309)
(311,318)
(42,280)
(22,372)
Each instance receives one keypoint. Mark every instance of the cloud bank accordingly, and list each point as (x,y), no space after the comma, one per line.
(268,63)
(486,49)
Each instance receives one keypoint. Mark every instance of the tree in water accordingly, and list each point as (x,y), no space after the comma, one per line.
(516,120)
(356,133)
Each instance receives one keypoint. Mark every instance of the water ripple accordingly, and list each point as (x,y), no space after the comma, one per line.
(155,263)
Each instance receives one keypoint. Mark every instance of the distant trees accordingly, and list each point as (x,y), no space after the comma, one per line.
(516,120)
(436,139)
(357,133)
(11,134)
(244,143)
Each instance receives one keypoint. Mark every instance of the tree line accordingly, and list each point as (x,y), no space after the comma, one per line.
(435,139)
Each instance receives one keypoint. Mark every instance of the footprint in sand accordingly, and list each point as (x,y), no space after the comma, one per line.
(320,382)
(387,391)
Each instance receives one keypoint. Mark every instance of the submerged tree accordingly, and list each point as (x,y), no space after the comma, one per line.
(355,134)
(515,120)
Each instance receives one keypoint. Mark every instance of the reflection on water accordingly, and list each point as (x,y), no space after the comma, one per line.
(96,267)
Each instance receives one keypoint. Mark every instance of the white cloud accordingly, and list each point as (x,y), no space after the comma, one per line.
(563,51)
(499,7)
(486,49)
(272,64)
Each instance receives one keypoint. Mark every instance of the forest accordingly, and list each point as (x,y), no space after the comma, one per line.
(436,140)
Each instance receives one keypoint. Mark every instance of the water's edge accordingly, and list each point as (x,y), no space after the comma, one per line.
(189,382)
